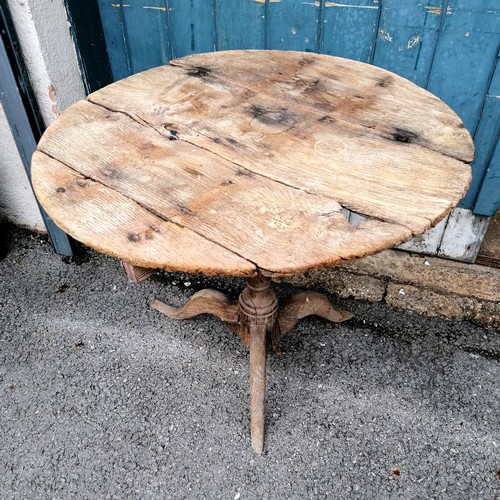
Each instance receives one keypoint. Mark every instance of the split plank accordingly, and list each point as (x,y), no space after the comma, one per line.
(349,90)
(391,180)
(252,170)
(110,223)
(253,216)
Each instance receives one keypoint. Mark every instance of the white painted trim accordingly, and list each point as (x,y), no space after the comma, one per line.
(50,56)
(49,52)
(463,235)
(456,237)
(428,243)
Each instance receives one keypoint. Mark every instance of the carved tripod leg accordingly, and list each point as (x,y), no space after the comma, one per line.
(258,319)
(204,301)
(305,304)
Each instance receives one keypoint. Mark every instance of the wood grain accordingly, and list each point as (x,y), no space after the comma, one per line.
(352,91)
(305,304)
(249,214)
(137,274)
(203,302)
(262,163)
(363,168)
(113,224)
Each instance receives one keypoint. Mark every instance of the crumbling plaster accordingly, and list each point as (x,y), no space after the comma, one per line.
(49,52)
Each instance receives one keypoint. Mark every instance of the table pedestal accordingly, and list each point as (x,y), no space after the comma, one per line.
(260,322)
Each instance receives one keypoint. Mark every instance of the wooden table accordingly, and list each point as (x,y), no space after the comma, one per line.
(246,163)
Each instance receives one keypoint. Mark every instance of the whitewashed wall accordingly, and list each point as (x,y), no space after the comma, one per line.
(17,203)
(51,60)
(49,52)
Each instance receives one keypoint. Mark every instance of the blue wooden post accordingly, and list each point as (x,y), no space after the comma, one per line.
(294,25)
(192,26)
(466,53)
(408,32)
(486,138)
(240,25)
(113,24)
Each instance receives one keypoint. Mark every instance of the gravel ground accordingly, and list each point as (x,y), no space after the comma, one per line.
(103,398)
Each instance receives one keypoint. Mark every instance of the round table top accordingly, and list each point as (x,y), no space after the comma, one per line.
(240,162)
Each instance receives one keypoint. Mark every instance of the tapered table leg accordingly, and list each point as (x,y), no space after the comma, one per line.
(258,355)
(258,319)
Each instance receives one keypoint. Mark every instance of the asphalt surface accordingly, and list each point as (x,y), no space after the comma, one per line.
(102,397)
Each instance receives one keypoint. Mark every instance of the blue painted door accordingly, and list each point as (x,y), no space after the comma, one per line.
(450,47)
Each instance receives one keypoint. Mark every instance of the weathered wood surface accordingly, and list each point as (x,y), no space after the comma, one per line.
(257,154)
(450,48)
(203,302)
(137,274)
(308,303)
(120,227)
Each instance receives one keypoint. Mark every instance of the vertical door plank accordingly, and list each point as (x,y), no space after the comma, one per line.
(485,141)
(407,37)
(113,25)
(193,26)
(486,138)
(240,25)
(488,201)
(465,55)
(350,28)
(293,25)
(146,24)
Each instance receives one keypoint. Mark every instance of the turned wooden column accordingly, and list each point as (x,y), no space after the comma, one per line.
(258,318)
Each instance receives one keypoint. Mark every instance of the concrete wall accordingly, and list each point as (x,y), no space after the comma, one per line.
(50,56)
